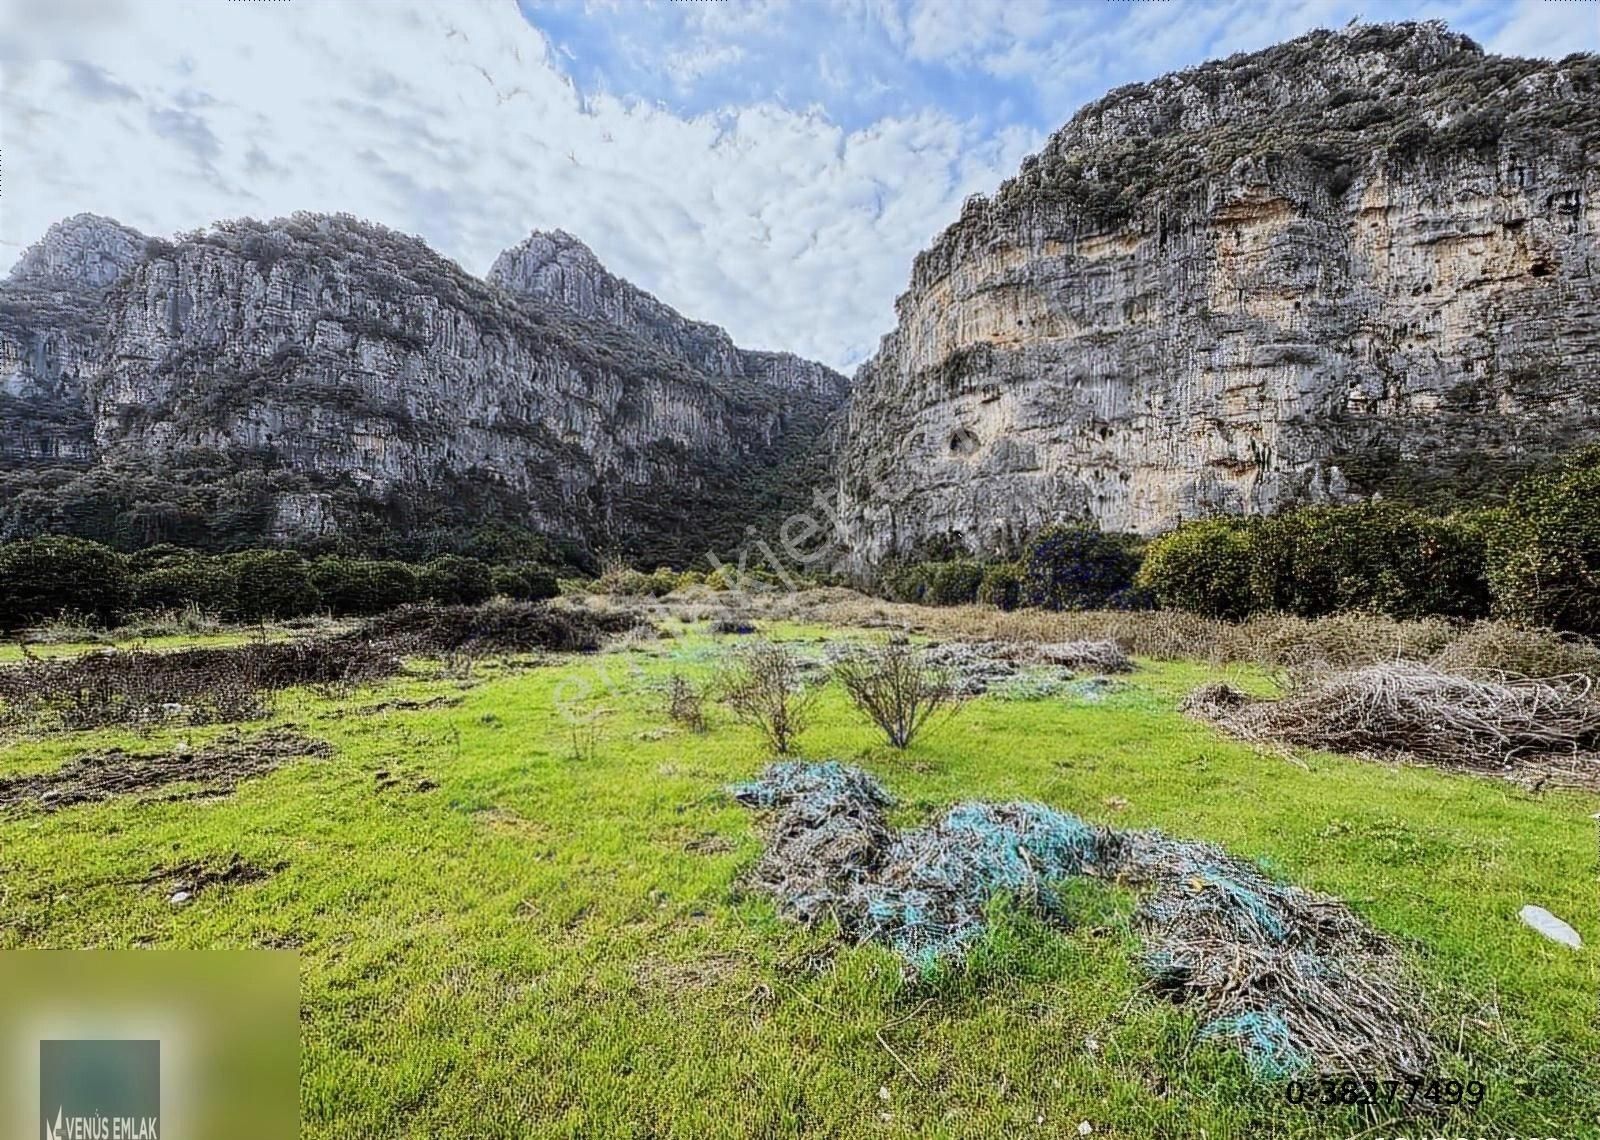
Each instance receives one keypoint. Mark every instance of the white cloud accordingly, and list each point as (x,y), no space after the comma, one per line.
(453,122)
(765,213)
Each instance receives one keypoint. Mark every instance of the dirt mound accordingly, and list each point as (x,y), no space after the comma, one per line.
(1295,979)
(214,770)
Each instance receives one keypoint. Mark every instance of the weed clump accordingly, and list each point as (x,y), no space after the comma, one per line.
(686,703)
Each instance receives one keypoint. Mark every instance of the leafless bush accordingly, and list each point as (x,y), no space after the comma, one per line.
(897,687)
(686,703)
(764,685)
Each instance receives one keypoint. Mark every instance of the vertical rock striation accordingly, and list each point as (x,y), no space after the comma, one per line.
(1360,261)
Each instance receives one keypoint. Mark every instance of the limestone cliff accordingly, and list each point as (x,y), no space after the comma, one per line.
(1361,261)
(52,314)
(347,376)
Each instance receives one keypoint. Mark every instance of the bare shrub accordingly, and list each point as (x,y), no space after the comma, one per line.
(897,687)
(686,703)
(764,685)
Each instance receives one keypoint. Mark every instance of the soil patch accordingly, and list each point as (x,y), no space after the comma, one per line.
(217,768)
(189,879)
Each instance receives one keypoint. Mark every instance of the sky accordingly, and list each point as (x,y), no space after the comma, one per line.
(772,166)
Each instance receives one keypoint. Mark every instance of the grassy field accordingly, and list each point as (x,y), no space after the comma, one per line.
(524,930)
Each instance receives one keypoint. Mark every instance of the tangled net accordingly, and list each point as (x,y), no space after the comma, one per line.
(1406,708)
(1295,979)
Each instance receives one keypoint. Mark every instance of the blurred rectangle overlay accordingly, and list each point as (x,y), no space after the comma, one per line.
(150,1044)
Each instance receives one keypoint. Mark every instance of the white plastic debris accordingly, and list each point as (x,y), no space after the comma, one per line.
(1551,927)
(179,898)
(1084,1128)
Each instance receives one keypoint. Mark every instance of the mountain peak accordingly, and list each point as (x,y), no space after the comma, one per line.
(85,250)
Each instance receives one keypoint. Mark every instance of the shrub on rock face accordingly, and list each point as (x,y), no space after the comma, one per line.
(360,588)
(270,584)
(1375,556)
(1544,556)
(1001,586)
(452,580)
(175,584)
(1078,568)
(1202,567)
(527,583)
(953,583)
(42,578)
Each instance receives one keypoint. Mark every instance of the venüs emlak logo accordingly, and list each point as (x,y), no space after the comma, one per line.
(100,1090)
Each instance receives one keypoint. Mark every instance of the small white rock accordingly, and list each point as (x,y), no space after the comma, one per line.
(179,897)
(1084,1128)
(1550,926)
(883,1092)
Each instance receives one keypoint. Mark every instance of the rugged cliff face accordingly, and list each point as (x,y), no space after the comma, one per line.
(355,377)
(52,314)
(1361,261)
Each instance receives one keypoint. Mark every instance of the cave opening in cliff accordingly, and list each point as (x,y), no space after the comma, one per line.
(963,442)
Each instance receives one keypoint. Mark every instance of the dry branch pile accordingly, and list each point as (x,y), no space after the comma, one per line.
(1404,708)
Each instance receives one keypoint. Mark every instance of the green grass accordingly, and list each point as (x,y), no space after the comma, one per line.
(553,944)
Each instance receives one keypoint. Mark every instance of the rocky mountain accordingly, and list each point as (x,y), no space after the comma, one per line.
(52,312)
(1359,262)
(318,376)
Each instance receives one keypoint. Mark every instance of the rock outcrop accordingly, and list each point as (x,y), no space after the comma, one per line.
(346,376)
(52,313)
(1362,261)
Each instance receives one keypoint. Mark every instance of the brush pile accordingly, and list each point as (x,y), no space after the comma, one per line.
(1405,708)
(1295,979)
(216,684)
(195,686)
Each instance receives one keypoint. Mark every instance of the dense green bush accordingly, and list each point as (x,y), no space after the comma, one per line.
(42,578)
(455,581)
(1544,553)
(270,584)
(906,581)
(525,583)
(1202,567)
(953,583)
(1374,556)
(1079,568)
(175,583)
(663,580)
(358,587)
(1001,586)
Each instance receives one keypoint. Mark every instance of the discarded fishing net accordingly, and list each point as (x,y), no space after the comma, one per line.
(1407,708)
(1085,656)
(1296,980)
